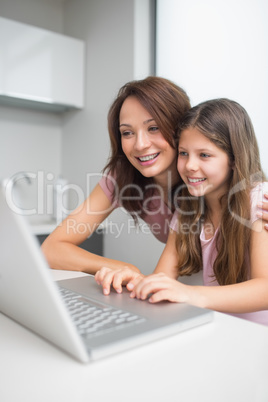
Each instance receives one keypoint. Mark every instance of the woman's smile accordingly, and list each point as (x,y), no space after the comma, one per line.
(148,159)
(143,143)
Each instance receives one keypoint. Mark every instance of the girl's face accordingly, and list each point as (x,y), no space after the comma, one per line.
(143,144)
(204,167)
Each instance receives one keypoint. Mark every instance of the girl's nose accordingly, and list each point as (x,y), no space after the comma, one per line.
(142,141)
(192,164)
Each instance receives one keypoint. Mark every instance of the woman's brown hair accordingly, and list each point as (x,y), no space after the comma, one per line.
(227,125)
(167,104)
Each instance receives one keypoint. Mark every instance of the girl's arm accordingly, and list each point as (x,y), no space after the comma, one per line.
(168,261)
(166,266)
(244,297)
(61,247)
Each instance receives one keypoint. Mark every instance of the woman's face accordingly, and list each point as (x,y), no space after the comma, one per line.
(143,144)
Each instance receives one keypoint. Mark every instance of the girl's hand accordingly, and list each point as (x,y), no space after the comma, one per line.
(162,287)
(108,277)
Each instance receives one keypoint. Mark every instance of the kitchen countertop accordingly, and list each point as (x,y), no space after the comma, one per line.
(225,360)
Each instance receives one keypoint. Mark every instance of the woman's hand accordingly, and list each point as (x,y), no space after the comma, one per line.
(108,277)
(264,207)
(161,287)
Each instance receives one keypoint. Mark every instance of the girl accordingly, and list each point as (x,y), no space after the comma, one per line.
(216,226)
(140,176)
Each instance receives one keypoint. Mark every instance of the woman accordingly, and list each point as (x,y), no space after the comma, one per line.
(140,176)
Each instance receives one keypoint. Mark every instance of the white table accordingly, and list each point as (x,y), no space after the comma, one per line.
(223,361)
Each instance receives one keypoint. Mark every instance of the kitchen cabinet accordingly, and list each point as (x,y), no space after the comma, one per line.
(40,68)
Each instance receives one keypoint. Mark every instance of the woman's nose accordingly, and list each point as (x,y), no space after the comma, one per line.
(142,141)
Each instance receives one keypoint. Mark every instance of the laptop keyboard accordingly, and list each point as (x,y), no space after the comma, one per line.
(93,318)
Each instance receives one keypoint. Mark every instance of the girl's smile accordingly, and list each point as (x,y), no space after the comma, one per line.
(194,181)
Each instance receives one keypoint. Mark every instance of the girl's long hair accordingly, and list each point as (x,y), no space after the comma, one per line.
(227,125)
(167,104)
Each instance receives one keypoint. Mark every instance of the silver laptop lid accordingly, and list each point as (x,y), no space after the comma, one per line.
(29,295)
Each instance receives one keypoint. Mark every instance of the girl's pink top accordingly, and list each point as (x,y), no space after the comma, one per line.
(209,253)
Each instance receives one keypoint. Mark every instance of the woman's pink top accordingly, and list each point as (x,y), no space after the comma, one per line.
(209,253)
(157,216)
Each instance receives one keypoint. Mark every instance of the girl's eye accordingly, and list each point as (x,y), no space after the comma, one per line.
(183,153)
(203,155)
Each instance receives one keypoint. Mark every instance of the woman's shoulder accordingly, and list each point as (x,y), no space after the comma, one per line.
(108,180)
(109,186)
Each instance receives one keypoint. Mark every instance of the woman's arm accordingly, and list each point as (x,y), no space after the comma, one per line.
(264,212)
(244,297)
(61,247)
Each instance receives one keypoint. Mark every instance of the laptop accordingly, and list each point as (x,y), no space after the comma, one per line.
(55,309)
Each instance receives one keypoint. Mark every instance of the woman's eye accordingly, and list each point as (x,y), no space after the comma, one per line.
(126,133)
(153,129)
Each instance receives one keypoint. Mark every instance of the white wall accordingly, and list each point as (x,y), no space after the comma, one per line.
(216,48)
